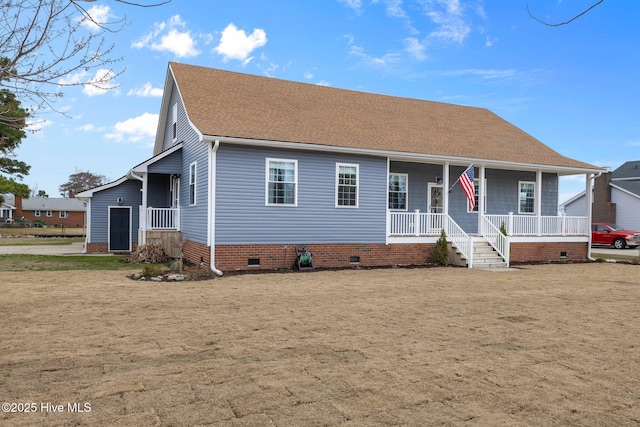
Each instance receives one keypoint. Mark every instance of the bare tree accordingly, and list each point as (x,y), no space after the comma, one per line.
(46,42)
(79,182)
(564,22)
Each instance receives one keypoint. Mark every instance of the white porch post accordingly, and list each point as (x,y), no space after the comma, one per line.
(538,199)
(481,190)
(588,196)
(445,188)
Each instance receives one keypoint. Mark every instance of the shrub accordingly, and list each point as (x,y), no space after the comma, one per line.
(503,229)
(440,254)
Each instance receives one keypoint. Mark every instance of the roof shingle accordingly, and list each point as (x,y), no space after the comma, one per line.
(228,104)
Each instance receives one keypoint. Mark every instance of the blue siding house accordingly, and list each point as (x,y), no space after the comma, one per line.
(246,169)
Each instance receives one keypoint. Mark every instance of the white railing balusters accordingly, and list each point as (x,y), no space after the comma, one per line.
(163,219)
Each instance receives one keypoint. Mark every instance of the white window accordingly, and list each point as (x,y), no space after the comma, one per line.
(346,185)
(476,187)
(192,183)
(174,122)
(37,213)
(282,182)
(64,214)
(398,191)
(526,204)
(49,214)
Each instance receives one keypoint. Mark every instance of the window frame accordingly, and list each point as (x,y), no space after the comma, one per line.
(174,122)
(338,185)
(193,181)
(37,213)
(533,208)
(476,195)
(406,192)
(267,174)
(64,214)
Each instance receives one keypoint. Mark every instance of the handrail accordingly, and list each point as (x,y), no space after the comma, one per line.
(163,218)
(459,239)
(496,239)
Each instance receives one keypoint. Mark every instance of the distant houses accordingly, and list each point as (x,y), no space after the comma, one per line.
(49,211)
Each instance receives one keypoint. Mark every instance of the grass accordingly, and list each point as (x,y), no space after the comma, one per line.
(64,262)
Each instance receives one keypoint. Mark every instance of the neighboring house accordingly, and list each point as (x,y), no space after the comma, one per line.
(49,211)
(247,168)
(616,197)
(7,207)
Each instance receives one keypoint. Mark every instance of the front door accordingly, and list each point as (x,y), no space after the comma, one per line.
(119,229)
(436,200)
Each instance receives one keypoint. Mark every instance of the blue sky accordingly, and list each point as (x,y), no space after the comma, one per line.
(574,87)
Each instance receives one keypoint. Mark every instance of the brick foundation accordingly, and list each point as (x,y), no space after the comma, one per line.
(102,248)
(548,251)
(271,257)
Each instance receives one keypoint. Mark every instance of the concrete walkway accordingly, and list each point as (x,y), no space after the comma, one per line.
(71,249)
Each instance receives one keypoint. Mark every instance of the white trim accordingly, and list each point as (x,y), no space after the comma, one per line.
(534,197)
(412,157)
(193,165)
(631,193)
(431,185)
(109,227)
(295,182)
(347,165)
(477,180)
(406,192)
(174,122)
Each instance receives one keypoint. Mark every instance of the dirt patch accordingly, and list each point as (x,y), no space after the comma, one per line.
(540,345)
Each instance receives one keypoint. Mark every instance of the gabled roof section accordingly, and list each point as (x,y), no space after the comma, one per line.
(132,174)
(630,187)
(628,170)
(228,104)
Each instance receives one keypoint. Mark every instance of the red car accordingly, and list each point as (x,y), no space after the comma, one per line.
(603,233)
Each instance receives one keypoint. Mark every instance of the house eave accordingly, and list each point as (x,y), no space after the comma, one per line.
(405,156)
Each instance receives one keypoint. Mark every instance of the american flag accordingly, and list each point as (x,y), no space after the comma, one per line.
(466,182)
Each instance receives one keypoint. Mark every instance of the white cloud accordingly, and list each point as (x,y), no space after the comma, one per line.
(448,15)
(147,90)
(169,36)
(415,48)
(98,16)
(89,128)
(100,83)
(383,61)
(352,4)
(138,129)
(236,44)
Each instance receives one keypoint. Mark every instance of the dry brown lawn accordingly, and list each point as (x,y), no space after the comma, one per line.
(541,345)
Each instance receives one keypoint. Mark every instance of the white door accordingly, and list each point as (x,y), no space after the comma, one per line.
(435,198)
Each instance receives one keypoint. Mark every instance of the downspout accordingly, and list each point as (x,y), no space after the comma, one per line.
(211,195)
(589,200)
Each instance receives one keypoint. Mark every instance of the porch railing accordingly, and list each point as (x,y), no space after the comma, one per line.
(163,218)
(530,225)
(406,224)
(494,236)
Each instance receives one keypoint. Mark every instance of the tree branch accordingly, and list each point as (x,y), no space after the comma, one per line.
(565,22)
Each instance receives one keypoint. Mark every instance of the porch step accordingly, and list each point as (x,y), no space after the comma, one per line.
(485,257)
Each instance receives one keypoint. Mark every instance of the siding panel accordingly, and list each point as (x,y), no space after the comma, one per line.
(243,218)
(130,193)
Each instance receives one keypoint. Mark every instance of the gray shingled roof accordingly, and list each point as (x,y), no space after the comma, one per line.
(52,204)
(629,169)
(228,104)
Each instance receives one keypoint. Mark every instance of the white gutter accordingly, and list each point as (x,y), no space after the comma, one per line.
(403,156)
(211,195)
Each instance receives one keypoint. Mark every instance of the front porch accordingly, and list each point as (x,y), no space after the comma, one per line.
(498,231)
(161,225)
